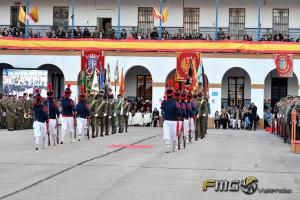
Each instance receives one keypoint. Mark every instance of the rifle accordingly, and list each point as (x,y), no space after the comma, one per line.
(57,129)
(47,123)
(88,128)
(75,122)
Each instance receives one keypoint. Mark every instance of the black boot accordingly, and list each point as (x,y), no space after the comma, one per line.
(119,130)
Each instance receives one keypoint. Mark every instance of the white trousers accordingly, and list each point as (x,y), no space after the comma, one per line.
(40,132)
(81,127)
(186,128)
(192,127)
(53,130)
(169,128)
(67,126)
(236,121)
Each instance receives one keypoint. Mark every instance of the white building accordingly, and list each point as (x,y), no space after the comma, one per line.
(234,78)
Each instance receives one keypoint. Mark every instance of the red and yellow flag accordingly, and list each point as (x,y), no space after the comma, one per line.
(22,15)
(122,84)
(155,13)
(34,14)
(165,15)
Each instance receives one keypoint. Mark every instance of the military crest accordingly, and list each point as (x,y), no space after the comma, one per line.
(91,60)
(284,64)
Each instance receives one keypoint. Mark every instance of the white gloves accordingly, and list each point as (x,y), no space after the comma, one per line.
(96,115)
(115,114)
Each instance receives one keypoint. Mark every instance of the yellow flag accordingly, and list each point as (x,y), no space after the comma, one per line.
(165,15)
(34,14)
(22,15)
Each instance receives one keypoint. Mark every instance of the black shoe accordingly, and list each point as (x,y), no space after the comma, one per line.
(106,134)
(126,131)
(36,148)
(113,132)
(101,135)
(61,142)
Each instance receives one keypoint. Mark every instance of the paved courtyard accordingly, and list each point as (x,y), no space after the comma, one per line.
(93,170)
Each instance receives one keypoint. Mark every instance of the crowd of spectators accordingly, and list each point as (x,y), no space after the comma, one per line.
(237,118)
(110,33)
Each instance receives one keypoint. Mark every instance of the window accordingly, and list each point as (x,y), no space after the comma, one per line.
(144,86)
(191,20)
(236,91)
(281,21)
(237,22)
(145,20)
(60,17)
(14,17)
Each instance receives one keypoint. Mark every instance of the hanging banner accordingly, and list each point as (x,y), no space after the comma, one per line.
(91,60)
(183,64)
(284,64)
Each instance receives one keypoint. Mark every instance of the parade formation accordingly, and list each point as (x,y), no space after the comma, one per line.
(185,116)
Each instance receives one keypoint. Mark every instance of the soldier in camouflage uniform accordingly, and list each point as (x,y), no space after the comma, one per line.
(20,110)
(126,113)
(202,115)
(113,115)
(100,114)
(30,105)
(93,113)
(2,110)
(119,104)
(11,110)
(107,118)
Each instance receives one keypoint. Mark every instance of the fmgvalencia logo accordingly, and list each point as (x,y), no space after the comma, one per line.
(248,185)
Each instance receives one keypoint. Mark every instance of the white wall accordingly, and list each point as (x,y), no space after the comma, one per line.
(87,11)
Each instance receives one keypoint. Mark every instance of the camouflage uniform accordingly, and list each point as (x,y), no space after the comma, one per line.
(100,111)
(126,113)
(107,118)
(118,104)
(10,110)
(19,117)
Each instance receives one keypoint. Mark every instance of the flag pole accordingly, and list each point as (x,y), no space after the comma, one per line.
(217,19)
(27,19)
(160,19)
(73,10)
(258,20)
(119,18)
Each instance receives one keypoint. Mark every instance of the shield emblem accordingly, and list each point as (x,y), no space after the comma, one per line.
(282,63)
(92,63)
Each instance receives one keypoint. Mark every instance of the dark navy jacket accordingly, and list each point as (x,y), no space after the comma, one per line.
(68,107)
(184,113)
(40,113)
(82,109)
(171,110)
(52,108)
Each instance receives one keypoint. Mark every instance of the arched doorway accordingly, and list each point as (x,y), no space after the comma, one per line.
(171,76)
(138,81)
(56,77)
(3,66)
(278,87)
(236,88)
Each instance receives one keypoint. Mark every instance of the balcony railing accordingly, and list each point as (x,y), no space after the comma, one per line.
(177,32)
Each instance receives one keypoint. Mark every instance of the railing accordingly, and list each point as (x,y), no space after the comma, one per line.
(41,30)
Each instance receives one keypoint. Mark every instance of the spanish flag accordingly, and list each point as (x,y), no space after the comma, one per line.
(165,15)
(155,13)
(34,14)
(22,15)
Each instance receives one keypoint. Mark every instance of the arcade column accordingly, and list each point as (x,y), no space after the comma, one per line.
(158,92)
(257,96)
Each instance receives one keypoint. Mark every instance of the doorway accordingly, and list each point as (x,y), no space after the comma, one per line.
(103,23)
(279,89)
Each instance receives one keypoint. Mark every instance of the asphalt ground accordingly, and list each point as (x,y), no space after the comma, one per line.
(95,169)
